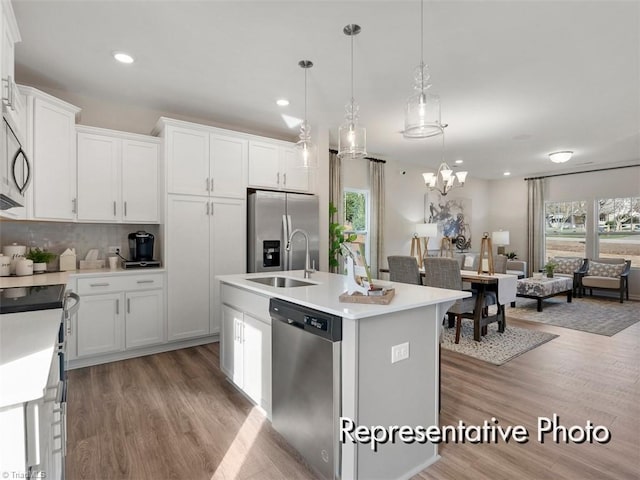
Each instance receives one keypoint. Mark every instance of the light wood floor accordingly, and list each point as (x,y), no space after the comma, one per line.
(174,416)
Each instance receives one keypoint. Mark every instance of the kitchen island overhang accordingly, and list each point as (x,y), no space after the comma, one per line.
(374,390)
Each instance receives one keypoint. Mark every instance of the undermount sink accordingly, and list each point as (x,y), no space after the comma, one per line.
(284,282)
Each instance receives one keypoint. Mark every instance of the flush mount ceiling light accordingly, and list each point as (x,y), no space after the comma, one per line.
(282,102)
(352,137)
(444,179)
(306,149)
(422,112)
(123,57)
(560,157)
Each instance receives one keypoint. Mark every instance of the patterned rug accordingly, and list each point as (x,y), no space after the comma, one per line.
(600,315)
(496,348)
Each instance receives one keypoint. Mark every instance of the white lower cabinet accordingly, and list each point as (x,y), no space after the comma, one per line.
(119,313)
(246,354)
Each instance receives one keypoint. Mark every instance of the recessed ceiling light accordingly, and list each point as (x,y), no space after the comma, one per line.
(282,102)
(506,174)
(123,57)
(560,157)
(459,161)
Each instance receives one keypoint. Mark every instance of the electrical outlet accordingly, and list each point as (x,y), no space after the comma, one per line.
(114,250)
(399,352)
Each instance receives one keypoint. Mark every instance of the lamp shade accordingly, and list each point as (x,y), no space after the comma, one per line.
(500,238)
(426,230)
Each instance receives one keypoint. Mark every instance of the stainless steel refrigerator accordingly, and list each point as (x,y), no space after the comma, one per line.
(272,216)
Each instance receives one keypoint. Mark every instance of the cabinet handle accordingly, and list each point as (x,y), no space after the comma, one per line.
(128,305)
(105,284)
(8,100)
(118,307)
(207,181)
(207,208)
(114,208)
(278,178)
(125,208)
(211,184)
(74,205)
(145,281)
(284,178)
(212,209)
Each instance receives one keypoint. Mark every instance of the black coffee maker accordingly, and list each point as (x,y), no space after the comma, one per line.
(141,246)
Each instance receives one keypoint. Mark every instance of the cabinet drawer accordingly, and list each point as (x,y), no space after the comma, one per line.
(144,282)
(248,302)
(106,284)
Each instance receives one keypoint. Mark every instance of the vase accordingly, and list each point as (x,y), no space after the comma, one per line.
(39,267)
(549,274)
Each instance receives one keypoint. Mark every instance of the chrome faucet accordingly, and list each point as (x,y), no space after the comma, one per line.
(307,264)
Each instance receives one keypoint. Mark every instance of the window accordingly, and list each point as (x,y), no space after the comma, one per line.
(356,216)
(619,228)
(565,229)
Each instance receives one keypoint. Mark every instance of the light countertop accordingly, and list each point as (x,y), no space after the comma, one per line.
(324,294)
(63,277)
(27,344)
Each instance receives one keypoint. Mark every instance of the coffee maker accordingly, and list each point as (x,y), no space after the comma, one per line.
(141,250)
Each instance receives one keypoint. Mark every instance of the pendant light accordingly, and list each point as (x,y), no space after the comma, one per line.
(422,112)
(307,154)
(444,179)
(352,138)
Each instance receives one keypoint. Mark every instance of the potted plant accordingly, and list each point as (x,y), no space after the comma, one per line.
(40,259)
(512,255)
(336,238)
(549,268)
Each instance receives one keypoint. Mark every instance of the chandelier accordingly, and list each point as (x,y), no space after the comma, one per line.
(352,138)
(308,157)
(422,112)
(444,179)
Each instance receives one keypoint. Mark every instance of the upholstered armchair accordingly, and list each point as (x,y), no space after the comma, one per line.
(607,273)
(571,267)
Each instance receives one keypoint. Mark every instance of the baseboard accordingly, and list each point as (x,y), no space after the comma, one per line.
(140,352)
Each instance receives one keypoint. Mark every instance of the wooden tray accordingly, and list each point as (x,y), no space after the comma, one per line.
(375,299)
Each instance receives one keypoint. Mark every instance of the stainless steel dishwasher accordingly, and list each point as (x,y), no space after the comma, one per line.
(306,363)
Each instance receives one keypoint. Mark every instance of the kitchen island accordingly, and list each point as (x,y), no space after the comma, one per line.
(374,390)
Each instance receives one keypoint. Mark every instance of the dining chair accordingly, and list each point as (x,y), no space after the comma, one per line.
(404,269)
(444,272)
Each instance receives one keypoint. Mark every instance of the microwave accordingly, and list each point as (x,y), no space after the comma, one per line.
(15,169)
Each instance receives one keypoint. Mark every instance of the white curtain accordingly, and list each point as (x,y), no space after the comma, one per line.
(335,191)
(376,242)
(535,224)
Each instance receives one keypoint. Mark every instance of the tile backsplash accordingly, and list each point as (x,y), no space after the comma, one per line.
(56,237)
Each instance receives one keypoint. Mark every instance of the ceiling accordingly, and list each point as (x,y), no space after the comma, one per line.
(517,79)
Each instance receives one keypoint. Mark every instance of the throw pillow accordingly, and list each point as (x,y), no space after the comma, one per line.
(605,269)
(567,265)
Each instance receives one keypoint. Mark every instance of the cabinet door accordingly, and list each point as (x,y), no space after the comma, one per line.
(99,327)
(139,181)
(228,337)
(228,248)
(188,266)
(293,176)
(144,324)
(264,165)
(187,161)
(54,162)
(228,166)
(98,178)
(257,361)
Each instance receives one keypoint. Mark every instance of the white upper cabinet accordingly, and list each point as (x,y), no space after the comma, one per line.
(117,176)
(12,102)
(273,165)
(203,160)
(51,146)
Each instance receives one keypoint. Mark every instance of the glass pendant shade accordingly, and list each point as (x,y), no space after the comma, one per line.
(422,112)
(352,137)
(307,152)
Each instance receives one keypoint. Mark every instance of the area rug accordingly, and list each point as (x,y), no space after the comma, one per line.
(496,348)
(603,316)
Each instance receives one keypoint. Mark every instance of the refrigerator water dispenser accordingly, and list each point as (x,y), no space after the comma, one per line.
(271,253)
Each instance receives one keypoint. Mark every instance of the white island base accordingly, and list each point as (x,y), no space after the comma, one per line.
(374,391)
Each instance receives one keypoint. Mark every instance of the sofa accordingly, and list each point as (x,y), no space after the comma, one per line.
(606,274)
(570,267)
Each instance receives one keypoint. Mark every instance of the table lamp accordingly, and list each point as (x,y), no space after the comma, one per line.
(426,231)
(501,239)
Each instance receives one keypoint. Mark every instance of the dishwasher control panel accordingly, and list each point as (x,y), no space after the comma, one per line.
(319,323)
(312,321)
